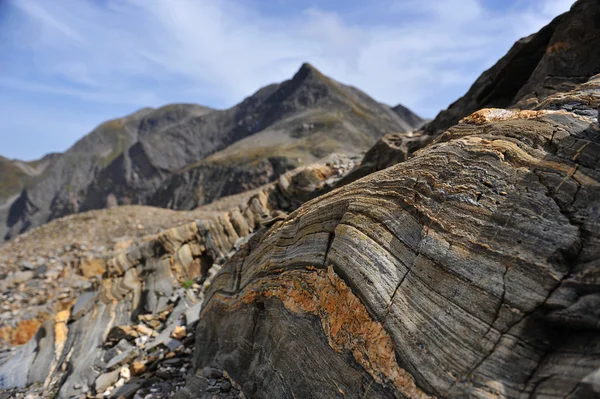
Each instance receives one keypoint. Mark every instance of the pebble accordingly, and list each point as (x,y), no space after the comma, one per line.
(225,386)
(210,372)
(179,332)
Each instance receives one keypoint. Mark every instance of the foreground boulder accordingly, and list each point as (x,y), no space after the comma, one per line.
(129,330)
(469,270)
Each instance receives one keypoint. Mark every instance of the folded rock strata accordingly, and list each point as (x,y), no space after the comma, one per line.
(72,350)
(469,270)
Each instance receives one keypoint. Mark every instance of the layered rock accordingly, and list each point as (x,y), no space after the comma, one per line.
(553,60)
(559,56)
(469,270)
(150,288)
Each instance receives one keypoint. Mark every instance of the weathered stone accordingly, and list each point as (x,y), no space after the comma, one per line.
(179,332)
(122,354)
(118,333)
(105,380)
(211,372)
(467,270)
(90,267)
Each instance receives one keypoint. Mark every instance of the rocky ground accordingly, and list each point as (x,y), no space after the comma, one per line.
(44,269)
(145,351)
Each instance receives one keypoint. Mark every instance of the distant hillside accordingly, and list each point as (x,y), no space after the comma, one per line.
(183,155)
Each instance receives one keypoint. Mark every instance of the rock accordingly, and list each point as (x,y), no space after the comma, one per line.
(192,314)
(121,354)
(137,368)
(41,270)
(27,266)
(90,267)
(469,270)
(125,373)
(555,59)
(123,245)
(106,380)
(142,329)
(211,372)
(118,333)
(389,150)
(126,391)
(179,332)
(225,386)
(173,344)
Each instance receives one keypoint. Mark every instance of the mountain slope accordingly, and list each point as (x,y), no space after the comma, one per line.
(139,158)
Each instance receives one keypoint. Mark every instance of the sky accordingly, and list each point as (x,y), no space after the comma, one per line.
(68,65)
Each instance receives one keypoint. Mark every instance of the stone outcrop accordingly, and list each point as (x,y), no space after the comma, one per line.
(559,56)
(469,270)
(553,60)
(151,294)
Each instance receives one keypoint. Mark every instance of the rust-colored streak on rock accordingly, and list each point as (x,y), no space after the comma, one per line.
(61,331)
(20,334)
(344,319)
(557,47)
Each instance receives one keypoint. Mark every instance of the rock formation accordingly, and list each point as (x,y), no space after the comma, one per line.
(144,295)
(468,270)
(468,267)
(555,59)
(559,56)
(193,152)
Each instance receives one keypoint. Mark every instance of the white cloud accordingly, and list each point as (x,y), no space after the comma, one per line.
(424,54)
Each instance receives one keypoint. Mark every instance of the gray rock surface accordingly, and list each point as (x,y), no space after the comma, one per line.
(469,270)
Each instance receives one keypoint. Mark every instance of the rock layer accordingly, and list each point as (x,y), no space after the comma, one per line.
(469,270)
(73,349)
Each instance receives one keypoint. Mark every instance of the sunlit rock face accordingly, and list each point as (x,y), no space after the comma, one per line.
(469,270)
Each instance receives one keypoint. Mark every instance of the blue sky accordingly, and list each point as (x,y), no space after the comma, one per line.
(68,65)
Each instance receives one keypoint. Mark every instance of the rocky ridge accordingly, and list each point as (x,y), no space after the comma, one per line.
(185,155)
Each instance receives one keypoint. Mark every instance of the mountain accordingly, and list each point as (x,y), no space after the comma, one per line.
(16,174)
(183,155)
(409,116)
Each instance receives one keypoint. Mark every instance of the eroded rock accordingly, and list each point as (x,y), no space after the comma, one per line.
(468,270)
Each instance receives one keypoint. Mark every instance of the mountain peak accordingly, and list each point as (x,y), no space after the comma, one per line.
(307,70)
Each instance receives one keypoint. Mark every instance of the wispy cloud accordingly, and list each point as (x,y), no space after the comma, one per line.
(423,54)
